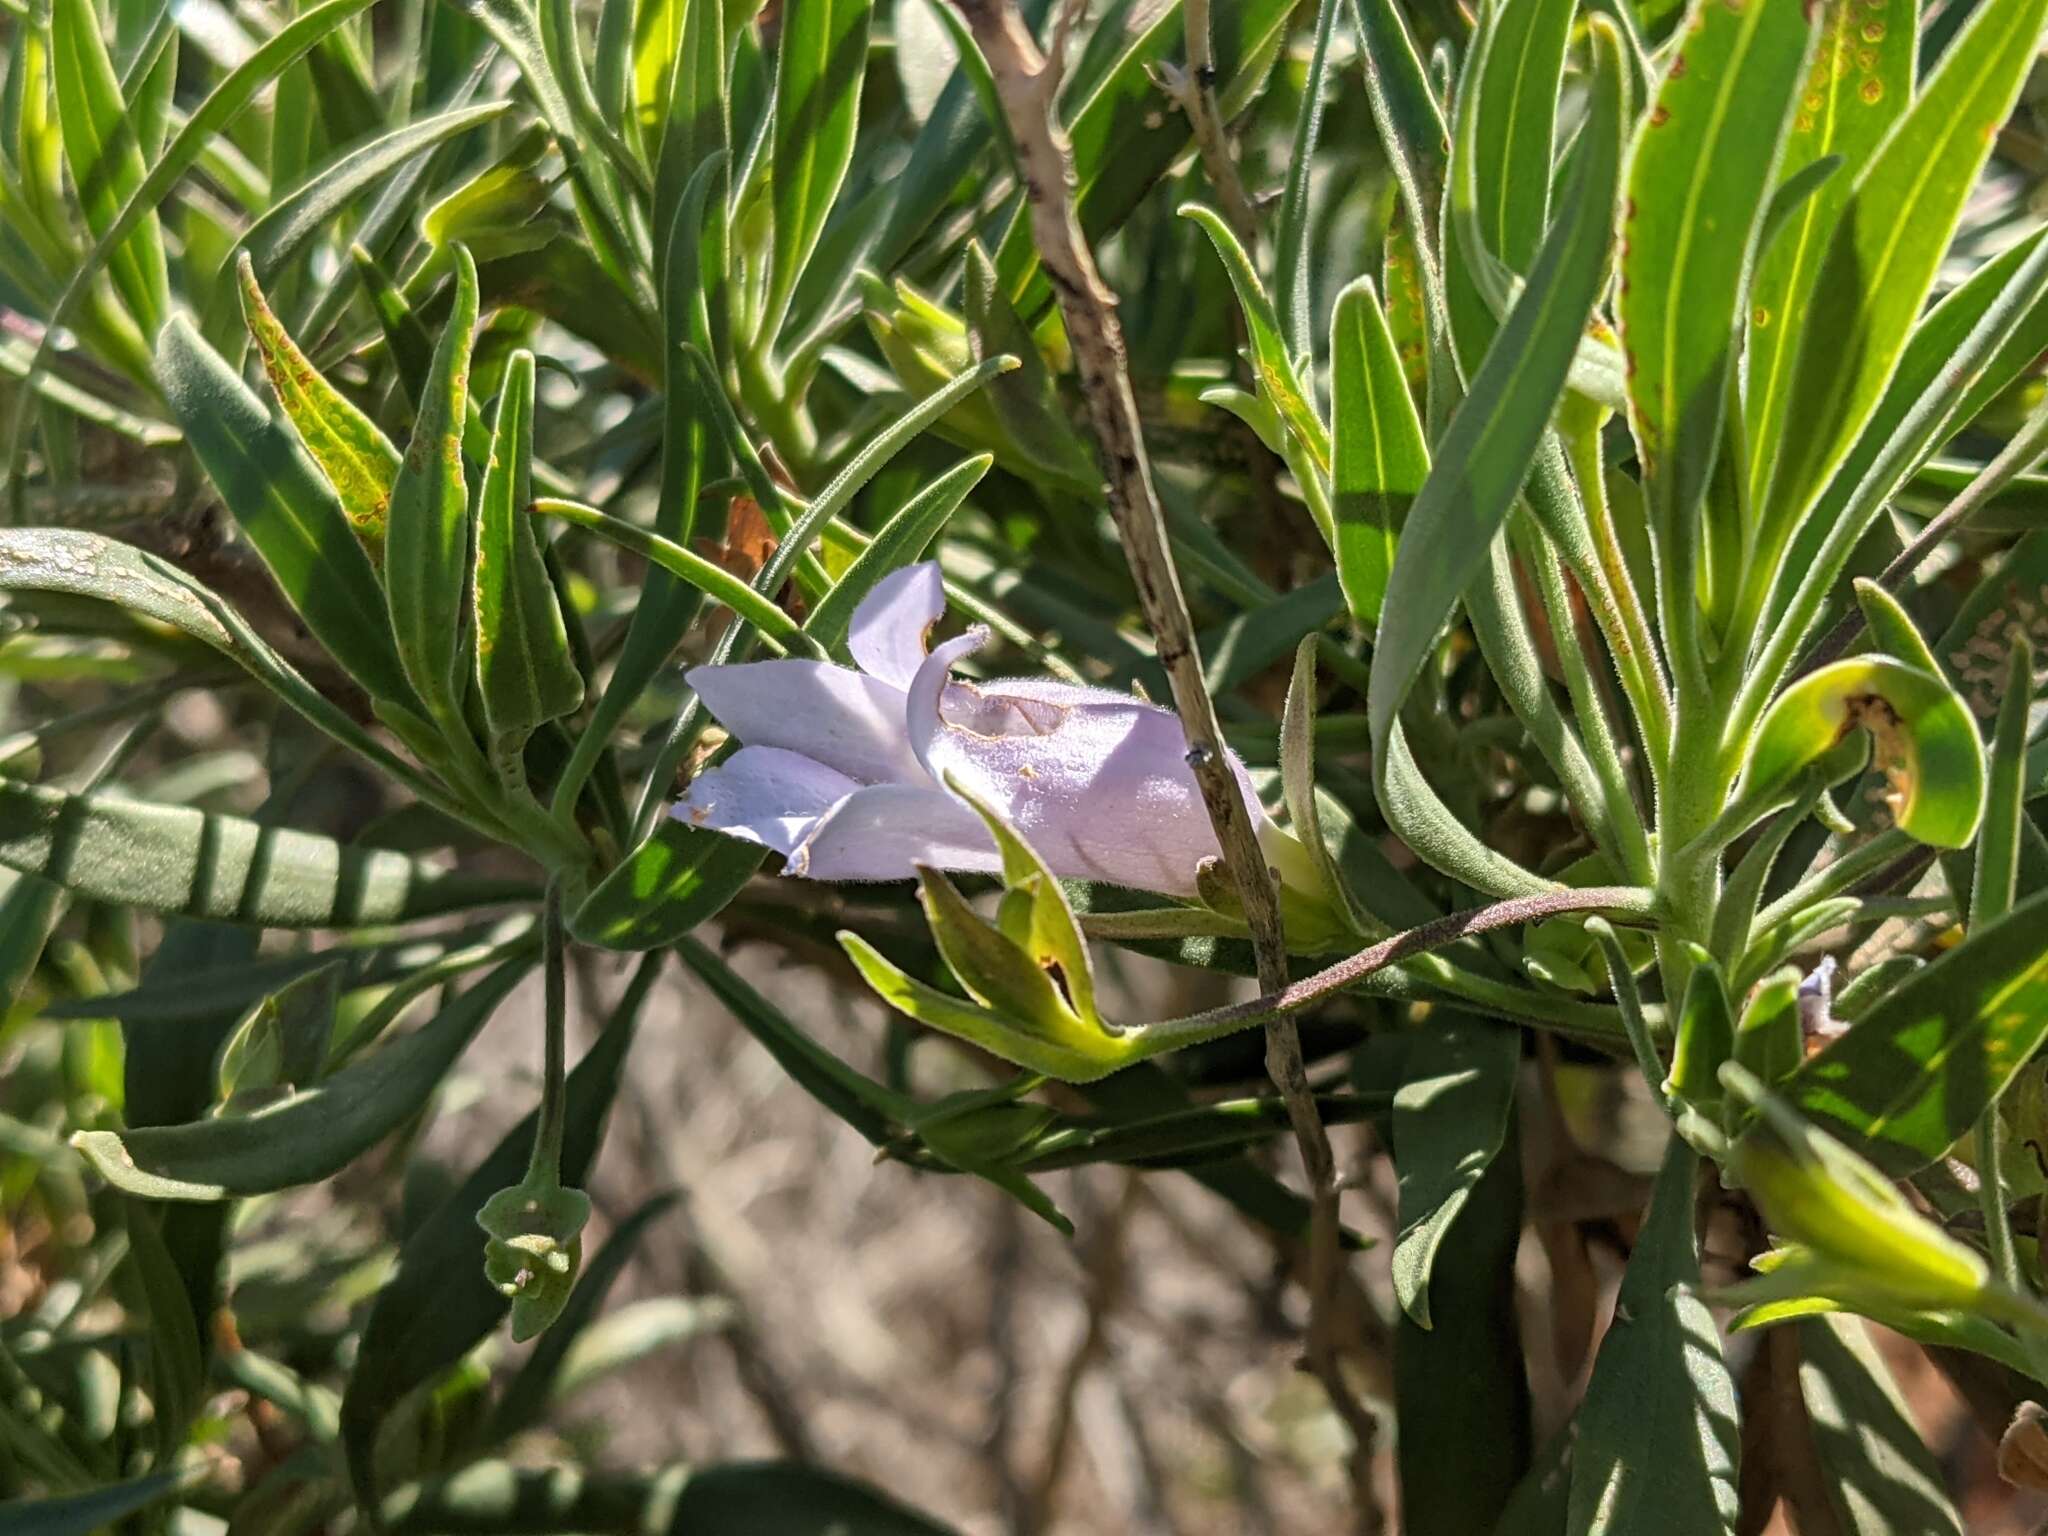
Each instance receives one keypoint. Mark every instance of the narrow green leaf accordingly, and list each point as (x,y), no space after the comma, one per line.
(1699,184)
(713,580)
(1409,117)
(285,506)
(674,879)
(427,534)
(901,541)
(310,1136)
(666,605)
(1279,384)
(1462,1453)
(1998,844)
(437,1304)
(1486,454)
(875,1112)
(352,451)
(1705,1037)
(1877,1474)
(169,859)
(1893,628)
(202,128)
(1981,336)
(177,1359)
(1292,263)
(1770,1039)
(1450,1117)
(1657,1431)
(84,1514)
(105,153)
(1858,83)
(1381,460)
(87,565)
(1889,242)
(819,66)
(1906,1082)
(313,206)
(1509,173)
(1026,404)
(525,673)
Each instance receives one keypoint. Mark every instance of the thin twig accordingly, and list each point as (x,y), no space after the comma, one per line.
(1027,84)
(1619,900)
(1194,90)
(1104,1261)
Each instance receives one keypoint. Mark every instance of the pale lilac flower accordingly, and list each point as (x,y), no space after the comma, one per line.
(843,771)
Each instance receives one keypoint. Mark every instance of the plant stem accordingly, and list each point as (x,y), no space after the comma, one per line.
(546,1163)
(1027,85)
(1192,1029)
(1618,606)
(1196,93)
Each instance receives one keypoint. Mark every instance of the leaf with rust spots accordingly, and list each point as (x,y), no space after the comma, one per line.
(356,457)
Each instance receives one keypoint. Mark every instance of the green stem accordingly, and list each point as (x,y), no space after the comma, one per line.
(1617,606)
(1631,843)
(545,1167)
(1846,871)
(1991,1196)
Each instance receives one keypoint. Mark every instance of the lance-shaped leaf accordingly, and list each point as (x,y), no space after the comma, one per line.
(170,859)
(82,1514)
(1922,735)
(105,155)
(1059,1049)
(1889,242)
(285,506)
(308,1137)
(1874,1464)
(1855,1233)
(1905,1083)
(351,450)
(674,879)
(1040,438)
(525,671)
(1657,1432)
(1450,1117)
(1769,1043)
(1699,183)
(1858,83)
(1706,1037)
(1507,176)
(1492,441)
(1279,383)
(202,127)
(1380,457)
(819,66)
(1318,897)
(708,577)
(427,536)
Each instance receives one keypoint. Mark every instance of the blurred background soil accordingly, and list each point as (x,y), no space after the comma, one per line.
(929,1334)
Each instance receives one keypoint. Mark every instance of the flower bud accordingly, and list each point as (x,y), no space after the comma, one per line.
(533,1248)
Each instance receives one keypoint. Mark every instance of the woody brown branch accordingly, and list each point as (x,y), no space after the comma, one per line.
(1027,83)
